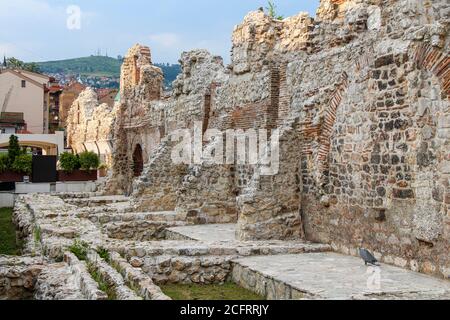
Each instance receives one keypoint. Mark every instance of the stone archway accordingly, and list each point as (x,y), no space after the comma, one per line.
(138,161)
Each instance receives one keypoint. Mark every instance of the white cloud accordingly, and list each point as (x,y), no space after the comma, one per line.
(168,40)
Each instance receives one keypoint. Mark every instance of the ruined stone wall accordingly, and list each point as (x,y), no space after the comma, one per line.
(140,84)
(269,206)
(361,96)
(90,126)
(371,97)
(147,118)
(18,276)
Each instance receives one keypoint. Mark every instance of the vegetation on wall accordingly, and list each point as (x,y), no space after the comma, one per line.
(272,11)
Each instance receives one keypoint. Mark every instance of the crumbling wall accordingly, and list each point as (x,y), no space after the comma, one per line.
(90,126)
(374,140)
(18,276)
(269,207)
(147,118)
(140,85)
(208,193)
(371,98)
(361,95)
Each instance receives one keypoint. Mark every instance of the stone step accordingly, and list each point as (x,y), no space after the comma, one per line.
(111,277)
(185,270)
(150,249)
(97,201)
(333,276)
(106,217)
(58,282)
(139,230)
(135,278)
(205,233)
(89,287)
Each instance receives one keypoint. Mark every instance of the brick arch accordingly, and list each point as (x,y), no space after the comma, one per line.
(435,61)
(328,124)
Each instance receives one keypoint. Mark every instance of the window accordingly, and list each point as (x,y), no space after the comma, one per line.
(24,84)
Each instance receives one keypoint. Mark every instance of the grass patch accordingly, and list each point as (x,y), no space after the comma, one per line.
(104,254)
(8,241)
(102,284)
(37,234)
(80,249)
(227,291)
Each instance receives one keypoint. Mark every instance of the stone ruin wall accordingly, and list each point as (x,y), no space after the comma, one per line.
(90,126)
(373,132)
(360,94)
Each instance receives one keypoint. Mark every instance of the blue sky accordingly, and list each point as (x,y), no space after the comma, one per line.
(35,30)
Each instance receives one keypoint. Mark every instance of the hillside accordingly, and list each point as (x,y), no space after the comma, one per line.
(92,66)
(99,66)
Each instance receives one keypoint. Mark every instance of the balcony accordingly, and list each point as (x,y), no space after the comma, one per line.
(12,117)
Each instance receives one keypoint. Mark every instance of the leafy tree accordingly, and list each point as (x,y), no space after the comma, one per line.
(272,11)
(18,64)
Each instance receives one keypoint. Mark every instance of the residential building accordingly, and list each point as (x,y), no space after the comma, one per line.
(54,93)
(24,100)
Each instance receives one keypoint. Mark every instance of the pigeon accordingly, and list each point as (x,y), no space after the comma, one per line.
(368,257)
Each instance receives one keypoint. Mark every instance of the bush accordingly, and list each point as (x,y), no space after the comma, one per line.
(89,161)
(23,164)
(4,161)
(69,162)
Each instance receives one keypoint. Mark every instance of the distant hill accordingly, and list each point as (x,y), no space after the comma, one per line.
(87,66)
(100,66)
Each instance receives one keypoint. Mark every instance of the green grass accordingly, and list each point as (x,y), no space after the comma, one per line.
(102,284)
(104,254)
(79,249)
(227,291)
(8,243)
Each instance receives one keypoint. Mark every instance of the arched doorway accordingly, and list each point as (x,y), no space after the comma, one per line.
(138,161)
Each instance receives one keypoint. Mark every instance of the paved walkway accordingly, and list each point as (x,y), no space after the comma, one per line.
(335,276)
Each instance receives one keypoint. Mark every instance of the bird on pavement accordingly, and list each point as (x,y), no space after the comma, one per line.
(368,257)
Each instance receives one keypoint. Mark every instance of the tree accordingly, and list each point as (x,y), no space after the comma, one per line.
(18,64)
(272,11)
(13,149)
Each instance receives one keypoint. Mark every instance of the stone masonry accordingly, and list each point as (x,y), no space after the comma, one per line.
(89,126)
(360,96)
